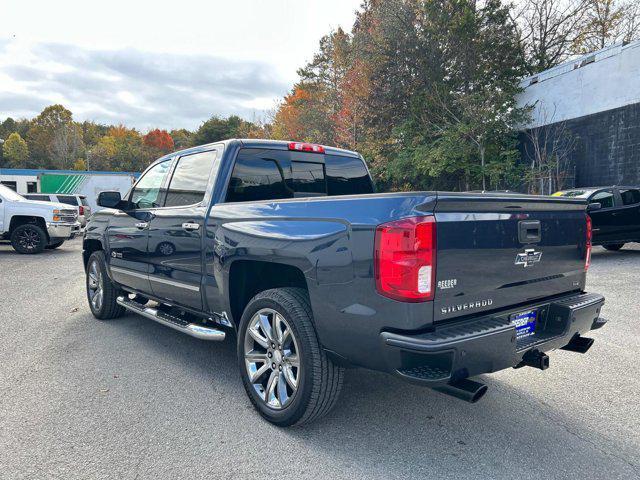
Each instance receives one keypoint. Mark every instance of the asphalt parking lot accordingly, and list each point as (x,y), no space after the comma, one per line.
(130,398)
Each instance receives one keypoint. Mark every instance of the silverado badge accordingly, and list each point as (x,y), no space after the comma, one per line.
(528,258)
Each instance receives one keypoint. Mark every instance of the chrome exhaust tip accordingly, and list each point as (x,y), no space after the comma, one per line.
(465,389)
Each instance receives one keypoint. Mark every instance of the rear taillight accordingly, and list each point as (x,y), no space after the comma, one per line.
(80,210)
(405,259)
(587,260)
(306,147)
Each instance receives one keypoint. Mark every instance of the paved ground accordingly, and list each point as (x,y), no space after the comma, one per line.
(132,399)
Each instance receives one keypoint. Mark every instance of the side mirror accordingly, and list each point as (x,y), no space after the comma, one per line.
(109,199)
(594,206)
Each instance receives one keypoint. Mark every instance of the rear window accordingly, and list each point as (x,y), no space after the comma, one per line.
(68,199)
(630,197)
(264,174)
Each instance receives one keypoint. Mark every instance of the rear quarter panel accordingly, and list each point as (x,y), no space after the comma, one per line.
(331,240)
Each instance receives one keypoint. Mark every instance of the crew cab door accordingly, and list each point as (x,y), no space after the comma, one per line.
(175,232)
(628,214)
(605,220)
(128,230)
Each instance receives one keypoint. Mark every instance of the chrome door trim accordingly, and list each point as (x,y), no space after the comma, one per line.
(154,278)
(173,283)
(132,273)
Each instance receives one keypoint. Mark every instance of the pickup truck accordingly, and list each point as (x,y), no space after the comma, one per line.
(287,246)
(616,216)
(32,226)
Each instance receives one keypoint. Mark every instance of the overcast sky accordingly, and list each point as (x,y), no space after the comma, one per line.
(158,64)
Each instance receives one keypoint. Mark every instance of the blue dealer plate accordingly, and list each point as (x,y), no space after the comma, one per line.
(525,323)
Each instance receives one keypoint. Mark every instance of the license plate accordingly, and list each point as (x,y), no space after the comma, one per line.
(525,323)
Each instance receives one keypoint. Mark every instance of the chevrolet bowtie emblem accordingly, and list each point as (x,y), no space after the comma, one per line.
(528,258)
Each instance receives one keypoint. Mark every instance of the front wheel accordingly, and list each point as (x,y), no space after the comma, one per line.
(101,292)
(286,373)
(28,238)
(613,247)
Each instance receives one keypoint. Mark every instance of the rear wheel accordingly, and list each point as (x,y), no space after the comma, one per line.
(614,247)
(101,292)
(28,238)
(286,373)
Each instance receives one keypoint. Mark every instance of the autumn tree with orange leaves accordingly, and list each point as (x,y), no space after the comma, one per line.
(159,140)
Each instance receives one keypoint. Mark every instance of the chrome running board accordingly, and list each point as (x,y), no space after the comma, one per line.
(179,324)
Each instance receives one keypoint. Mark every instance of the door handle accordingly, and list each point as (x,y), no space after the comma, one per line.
(142,225)
(190,226)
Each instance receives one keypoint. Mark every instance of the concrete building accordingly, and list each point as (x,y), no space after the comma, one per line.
(596,99)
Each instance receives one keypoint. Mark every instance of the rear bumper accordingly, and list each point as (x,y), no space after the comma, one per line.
(454,351)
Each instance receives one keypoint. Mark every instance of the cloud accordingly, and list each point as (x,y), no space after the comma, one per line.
(137,88)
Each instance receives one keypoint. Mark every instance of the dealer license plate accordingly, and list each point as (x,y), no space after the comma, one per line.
(525,323)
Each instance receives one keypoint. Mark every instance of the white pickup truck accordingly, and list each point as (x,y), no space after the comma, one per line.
(32,226)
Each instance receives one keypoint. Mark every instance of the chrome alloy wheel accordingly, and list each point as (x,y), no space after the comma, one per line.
(271,358)
(96,288)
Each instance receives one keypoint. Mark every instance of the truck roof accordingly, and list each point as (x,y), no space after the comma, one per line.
(259,143)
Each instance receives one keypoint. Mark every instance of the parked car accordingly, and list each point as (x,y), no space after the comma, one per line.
(78,201)
(617,220)
(32,226)
(288,245)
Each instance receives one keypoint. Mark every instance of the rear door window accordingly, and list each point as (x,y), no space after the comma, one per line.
(630,196)
(41,198)
(259,174)
(604,198)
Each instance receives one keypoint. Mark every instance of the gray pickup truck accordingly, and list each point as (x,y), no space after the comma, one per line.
(287,246)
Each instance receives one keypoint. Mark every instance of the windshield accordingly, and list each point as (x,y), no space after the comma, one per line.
(7,193)
(574,193)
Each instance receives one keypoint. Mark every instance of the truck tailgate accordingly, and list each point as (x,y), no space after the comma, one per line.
(496,251)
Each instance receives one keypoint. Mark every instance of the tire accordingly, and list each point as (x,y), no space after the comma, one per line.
(613,247)
(96,280)
(53,246)
(318,379)
(28,239)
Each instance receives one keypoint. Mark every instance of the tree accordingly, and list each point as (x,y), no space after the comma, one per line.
(15,151)
(547,150)
(607,22)
(548,30)
(456,130)
(102,155)
(159,140)
(182,138)
(216,129)
(66,145)
(53,122)
(80,164)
